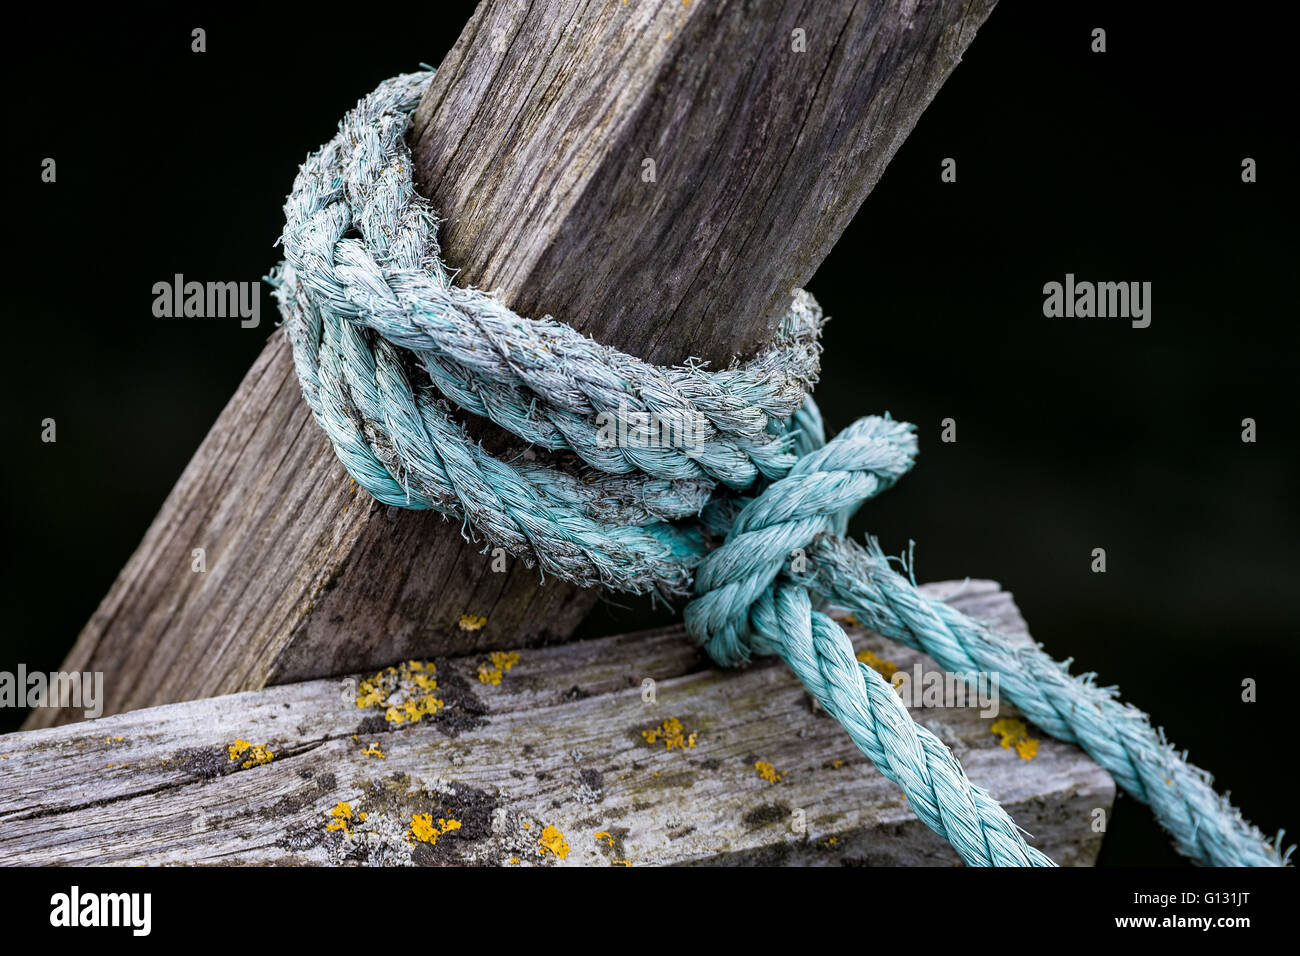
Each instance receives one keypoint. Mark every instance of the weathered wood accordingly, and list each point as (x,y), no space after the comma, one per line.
(558,743)
(531,141)
(762,154)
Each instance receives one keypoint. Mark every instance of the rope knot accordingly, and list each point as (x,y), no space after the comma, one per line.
(772,533)
(382,341)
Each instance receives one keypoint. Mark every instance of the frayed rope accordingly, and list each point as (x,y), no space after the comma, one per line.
(383,341)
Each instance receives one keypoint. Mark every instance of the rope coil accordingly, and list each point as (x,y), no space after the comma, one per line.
(370,307)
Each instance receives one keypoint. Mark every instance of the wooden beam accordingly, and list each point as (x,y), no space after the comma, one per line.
(532,141)
(558,742)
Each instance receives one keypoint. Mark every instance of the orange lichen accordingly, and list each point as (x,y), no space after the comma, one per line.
(374,751)
(552,841)
(422,827)
(405,692)
(343,818)
(877,664)
(471,622)
(672,733)
(257,753)
(1015,735)
(767,771)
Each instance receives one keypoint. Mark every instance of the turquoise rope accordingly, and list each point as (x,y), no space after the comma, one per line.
(733,517)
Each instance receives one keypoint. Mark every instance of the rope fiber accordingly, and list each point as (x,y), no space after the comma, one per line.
(748,516)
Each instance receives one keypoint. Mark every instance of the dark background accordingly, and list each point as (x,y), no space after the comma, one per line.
(1072,433)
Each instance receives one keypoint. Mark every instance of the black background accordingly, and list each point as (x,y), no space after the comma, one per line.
(1072,433)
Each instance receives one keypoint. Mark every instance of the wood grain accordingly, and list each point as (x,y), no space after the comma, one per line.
(531,142)
(762,154)
(559,742)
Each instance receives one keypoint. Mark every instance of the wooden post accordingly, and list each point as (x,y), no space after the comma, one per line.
(765,125)
(560,742)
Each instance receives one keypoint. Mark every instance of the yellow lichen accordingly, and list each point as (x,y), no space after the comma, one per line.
(374,751)
(877,664)
(257,753)
(471,622)
(498,663)
(405,692)
(672,733)
(836,764)
(767,771)
(602,835)
(413,709)
(1015,735)
(514,860)
(620,862)
(422,827)
(552,841)
(342,818)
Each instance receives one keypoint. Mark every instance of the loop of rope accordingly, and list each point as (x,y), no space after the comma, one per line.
(383,340)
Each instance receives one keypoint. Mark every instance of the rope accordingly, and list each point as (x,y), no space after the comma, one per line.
(383,340)
(1205,826)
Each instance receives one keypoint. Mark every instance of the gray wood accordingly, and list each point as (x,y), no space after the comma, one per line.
(762,154)
(558,743)
(530,141)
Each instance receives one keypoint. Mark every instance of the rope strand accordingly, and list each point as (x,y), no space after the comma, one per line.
(383,340)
